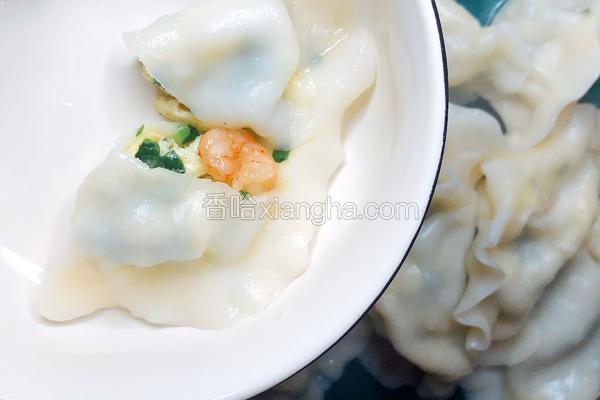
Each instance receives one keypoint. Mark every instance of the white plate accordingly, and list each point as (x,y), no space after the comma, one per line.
(69,88)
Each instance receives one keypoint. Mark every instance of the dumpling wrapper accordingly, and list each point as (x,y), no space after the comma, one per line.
(230,62)
(129,214)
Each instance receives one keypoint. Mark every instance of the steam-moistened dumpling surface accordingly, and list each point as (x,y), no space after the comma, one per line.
(430,284)
(129,214)
(152,231)
(508,305)
(228,61)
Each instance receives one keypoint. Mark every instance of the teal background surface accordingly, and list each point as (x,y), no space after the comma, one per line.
(484,10)
(357,383)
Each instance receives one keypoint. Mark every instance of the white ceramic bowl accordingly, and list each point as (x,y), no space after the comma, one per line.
(69,88)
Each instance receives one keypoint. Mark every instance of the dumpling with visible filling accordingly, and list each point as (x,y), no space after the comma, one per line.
(253,117)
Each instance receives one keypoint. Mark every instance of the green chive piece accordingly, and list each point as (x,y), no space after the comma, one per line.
(280,155)
(185,134)
(139,131)
(149,154)
(172,162)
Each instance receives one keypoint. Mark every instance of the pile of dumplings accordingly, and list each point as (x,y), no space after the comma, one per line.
(508,306)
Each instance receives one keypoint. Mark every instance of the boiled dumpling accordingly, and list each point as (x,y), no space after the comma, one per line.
(229,61)
(129,214)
